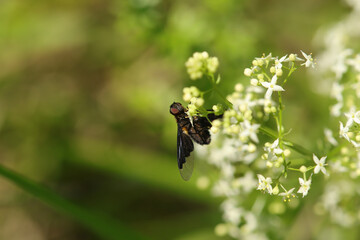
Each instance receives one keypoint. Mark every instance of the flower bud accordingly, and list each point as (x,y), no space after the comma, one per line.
(254,82)
(186,90)
(272,69)
(214,129)
(275,190)
(187,97)
(248,72)
(292,57)
(239,87)
(303,169)
(216,123)
(357,138)
(204,54)
(251,148)
(232,113)
(194,91)
(243,107)
(287,152)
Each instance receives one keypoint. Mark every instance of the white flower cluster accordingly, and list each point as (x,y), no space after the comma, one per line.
(194,96)
(200,64)
(336,195)
(236,145)
(339,63)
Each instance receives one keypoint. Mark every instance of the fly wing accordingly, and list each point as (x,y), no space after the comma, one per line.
(200,130)
(184,147)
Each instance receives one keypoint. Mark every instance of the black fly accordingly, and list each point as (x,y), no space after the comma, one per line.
(198,131)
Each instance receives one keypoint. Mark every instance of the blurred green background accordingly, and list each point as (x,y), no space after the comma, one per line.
(85,89)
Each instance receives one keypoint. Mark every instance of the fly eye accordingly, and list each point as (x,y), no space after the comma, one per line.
(174,110)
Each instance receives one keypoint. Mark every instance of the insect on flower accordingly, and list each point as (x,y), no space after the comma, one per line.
(197,130)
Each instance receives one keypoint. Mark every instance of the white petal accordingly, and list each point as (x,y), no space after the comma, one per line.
(316,159)
(268,93)
(254,137)
(304,54)
(261,177)
(278,151)
(278,88)
(301,181)
(323,170)
(274,79)
(265,84)
(323,159)
(283,58)
(317,169)
(357,120)
(291,190)
(275,143)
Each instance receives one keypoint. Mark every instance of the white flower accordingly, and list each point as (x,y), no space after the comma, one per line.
(200,63)
(223,188)
(264,183)
(227,170)
(329,136)
(352,117)
(232,213)
(249,130)
(278,63)
(212,64)
(271,86)
(275,147)
(339,67)
(287,194)
(356,86)
(304,186)
(274,150)
(343,131)
(336,91)
(247,183)
(355,62)
(309,60)
(320,164)
(335,110)
(338,167)
(293,57)
(266,58)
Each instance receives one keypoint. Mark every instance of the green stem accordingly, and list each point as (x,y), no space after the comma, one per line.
(269,132)
(214,87)
(293,68)
(294,169)
(280,134)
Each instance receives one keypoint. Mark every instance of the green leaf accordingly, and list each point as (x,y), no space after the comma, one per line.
(103,226)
